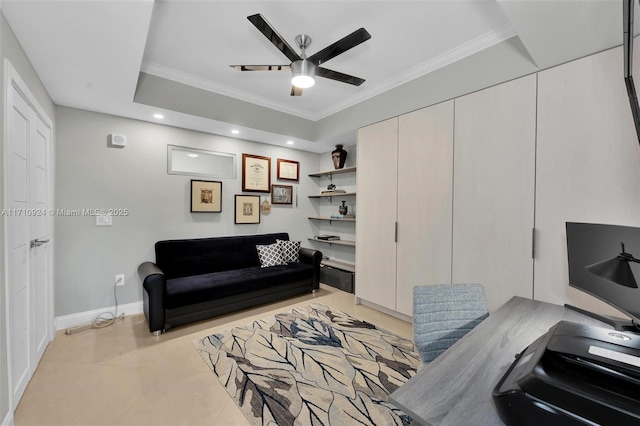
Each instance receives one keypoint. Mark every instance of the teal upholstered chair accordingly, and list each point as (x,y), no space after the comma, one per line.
(444,313)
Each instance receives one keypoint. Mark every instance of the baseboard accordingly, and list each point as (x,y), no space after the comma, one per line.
(82,318)
(400,316)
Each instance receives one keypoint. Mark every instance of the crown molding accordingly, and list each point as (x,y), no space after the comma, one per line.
(221,89)
(467,49)
(476,45)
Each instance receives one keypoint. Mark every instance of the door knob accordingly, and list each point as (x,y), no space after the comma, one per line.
(38,242)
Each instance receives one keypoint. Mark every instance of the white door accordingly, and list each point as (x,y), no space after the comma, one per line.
(377,196)
(18,299)
(493,190)
(39,236)
(425,197)
(28,228)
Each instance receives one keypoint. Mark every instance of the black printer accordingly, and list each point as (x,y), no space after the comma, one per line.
(573,375)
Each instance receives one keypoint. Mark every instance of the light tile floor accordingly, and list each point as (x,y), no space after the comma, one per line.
(122,375)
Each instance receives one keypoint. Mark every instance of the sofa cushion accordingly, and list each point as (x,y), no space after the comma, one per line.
(290,250)
(184,258)
(195,289)
(270,255)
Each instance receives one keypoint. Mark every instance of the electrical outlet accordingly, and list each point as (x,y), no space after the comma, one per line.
(119,279)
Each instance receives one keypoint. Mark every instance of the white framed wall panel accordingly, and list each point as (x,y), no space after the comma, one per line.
(493,190)
(425,186)
(588,165)
(375,225)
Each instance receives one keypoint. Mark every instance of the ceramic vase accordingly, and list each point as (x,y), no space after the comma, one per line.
(339,157)
(343,209)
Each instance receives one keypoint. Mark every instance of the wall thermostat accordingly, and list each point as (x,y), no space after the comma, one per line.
(116,141)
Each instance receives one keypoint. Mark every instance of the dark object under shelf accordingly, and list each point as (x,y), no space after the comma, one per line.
(338,278)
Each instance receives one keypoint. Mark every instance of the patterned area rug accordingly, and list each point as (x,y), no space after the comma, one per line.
(312,366)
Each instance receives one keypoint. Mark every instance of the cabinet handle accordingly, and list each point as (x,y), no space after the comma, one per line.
(395,238)
(533,243)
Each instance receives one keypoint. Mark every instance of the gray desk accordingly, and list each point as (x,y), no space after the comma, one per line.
(455,389)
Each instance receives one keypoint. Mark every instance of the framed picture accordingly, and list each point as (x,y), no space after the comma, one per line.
(247,209)
(206,196)
(256,173)
(288,169)
(281,194)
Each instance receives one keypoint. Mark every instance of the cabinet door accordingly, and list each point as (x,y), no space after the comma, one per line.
(375,226)
(493,191)
(425,185)
(588,165)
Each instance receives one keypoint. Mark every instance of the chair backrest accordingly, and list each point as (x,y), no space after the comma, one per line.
(444,313)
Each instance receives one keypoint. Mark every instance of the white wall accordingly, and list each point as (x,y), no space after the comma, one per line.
(91,175)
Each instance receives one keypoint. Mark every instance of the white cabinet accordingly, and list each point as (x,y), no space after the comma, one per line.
(404,200)
(376,225)
(425,173)
(538,151)
(588,167)
(493,192)
(442,202)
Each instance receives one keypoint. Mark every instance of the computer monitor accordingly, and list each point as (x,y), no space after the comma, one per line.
(594,245)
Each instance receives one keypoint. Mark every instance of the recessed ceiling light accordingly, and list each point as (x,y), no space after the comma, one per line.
(158,116)
(192,155)
(235,131)
(289,142)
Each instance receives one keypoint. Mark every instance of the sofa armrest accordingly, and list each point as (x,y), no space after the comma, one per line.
(154,284)
(314,258)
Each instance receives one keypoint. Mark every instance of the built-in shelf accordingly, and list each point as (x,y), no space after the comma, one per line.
(325,220)
(337,219)
(336,242)
(340,265)
(334,172)
(343,194)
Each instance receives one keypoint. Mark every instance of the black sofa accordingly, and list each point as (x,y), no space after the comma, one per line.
(197,279)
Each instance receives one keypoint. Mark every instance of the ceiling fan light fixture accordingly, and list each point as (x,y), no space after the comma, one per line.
(303,74)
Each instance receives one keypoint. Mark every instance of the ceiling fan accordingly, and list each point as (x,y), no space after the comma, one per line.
(303,69)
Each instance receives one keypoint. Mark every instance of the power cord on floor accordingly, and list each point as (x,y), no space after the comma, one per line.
(100,321)
(103,319)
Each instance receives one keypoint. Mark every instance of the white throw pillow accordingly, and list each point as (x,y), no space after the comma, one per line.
(290,250)
(270,255)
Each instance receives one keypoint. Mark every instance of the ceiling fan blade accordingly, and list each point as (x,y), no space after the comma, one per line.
(296,91)
(338,76)
(269,32)
(352,40)
(261,67)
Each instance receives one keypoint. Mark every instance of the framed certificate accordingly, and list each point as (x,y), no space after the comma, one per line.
(206,196)
(247,209)
(256,173)
(288,169)
(281,194)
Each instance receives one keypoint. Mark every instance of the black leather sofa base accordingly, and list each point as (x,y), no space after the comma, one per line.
(214,308)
